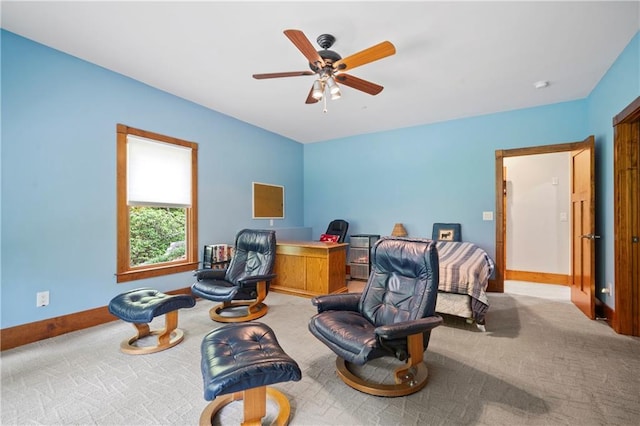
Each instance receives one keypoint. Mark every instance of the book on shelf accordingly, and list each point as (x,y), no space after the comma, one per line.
(216,255)
(207,257)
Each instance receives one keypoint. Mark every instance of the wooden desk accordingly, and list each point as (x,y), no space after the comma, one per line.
(310,268)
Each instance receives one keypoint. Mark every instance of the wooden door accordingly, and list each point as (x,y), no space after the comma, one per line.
(504,216)
(583,237)
(497,284)
(626,318)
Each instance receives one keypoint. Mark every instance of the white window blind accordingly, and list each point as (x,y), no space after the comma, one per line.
(158,173)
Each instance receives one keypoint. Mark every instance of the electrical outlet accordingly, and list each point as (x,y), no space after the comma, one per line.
(42,298)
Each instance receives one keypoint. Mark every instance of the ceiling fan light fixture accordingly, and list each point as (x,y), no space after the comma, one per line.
(318,90)
(333,87)
(336,95)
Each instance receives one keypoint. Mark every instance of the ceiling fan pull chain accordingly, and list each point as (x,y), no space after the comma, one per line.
(324,99)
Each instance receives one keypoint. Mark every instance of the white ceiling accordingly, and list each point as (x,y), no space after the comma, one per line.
(454,59)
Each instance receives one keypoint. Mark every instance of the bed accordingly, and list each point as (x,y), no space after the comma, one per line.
(464,271)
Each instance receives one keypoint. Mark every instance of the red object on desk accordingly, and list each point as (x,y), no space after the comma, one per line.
(328,238)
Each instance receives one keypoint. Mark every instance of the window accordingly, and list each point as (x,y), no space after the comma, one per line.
(156,204)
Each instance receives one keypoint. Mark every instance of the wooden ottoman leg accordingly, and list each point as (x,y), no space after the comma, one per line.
(255,308)
(254,405)
(283,404)
(167,338)
(170,324)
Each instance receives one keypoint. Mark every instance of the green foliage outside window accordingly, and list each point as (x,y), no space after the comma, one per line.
(157,234)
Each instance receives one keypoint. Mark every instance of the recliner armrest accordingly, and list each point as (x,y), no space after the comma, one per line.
(210,274)
(407,328)
(337,302)
(256,279)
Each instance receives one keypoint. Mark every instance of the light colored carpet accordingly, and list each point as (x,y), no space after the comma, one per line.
(541,362)
(560,293)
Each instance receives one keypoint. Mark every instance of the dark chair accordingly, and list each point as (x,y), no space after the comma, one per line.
(393,316)
(245,282)
(338,227)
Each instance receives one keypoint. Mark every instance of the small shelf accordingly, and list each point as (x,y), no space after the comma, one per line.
(359,250)
(217,256)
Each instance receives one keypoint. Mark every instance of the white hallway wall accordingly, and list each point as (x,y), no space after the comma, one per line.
(539,213)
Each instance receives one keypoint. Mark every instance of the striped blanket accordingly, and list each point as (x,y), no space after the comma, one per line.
(465,268)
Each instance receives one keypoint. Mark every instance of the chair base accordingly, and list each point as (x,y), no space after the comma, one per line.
(255,403)
(409,379)
(255,310)
(167,338)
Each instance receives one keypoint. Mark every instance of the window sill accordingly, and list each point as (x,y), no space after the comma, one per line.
(155,271)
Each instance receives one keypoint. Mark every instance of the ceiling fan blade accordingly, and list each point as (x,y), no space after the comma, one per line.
(282,74)
(310,99)
(373,53)
(359,84)
(304,45)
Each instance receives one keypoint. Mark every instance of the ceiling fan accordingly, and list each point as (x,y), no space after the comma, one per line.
(330,67)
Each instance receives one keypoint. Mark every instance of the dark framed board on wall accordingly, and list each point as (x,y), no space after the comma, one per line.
(268,201)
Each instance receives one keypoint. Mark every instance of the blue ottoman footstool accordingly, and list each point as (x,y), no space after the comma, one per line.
(238,362)
(140,306)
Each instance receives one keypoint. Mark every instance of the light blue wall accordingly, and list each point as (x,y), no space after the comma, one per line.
(58,172)
(443,172)
(59,117)
(617,89)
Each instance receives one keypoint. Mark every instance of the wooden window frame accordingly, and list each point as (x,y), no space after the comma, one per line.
(125,272)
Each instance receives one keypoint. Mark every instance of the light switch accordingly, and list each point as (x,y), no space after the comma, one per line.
(554,180)
(487,215)
(563,217)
